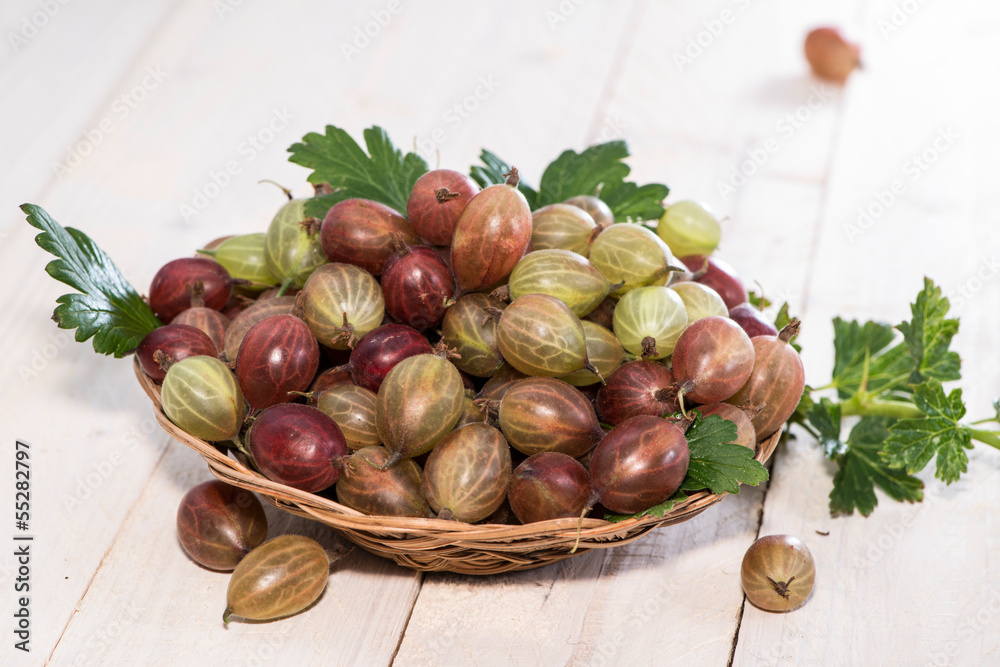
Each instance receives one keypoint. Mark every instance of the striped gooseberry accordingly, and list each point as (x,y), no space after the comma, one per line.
(362,232)
(202,397)
(563,227)
(649,320)
(778,573)
(539,335)
(467,473)
(342,303)
(563,274)
(292,249)
(218,524)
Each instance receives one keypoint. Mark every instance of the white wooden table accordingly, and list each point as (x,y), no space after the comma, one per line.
(117,114)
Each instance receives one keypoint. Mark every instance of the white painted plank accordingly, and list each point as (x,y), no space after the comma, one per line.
(674,596)
(912,584)
(63,70)
(150,603)
(219,89)
(655,601)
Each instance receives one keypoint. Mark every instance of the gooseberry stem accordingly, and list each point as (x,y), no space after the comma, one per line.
(855,407)
(991,438)
(285,284)
(872,407)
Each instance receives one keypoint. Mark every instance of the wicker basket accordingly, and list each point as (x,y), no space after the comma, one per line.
(434,544)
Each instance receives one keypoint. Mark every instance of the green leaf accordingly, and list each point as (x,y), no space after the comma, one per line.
(912,443)
(384,174)
(806,404)
(717,463)
(108,308)
(860,469)
(573,173)
(758,301)
(492,172)
(860,347)
(600,171)
(633,203)
(655,510)
(782,318)
(825,419)
(317,207)
(928,336)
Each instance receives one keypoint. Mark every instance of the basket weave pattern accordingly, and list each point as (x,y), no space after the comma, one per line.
(434,544)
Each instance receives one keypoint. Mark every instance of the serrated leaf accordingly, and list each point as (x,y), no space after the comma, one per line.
(716,462)
(825,418)
(928,336)
(912,443)
(573,173)
(492,172)
(633,203)
(599,171)
(384,174)
(107,308)
(861,349)
(318,206)
(860,469)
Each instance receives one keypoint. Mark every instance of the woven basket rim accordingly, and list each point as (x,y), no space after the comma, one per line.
(432,533)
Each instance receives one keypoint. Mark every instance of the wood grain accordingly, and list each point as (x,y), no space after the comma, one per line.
(912,584)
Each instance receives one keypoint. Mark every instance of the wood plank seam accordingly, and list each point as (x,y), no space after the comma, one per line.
(99,111)
(622,52)
(107,552)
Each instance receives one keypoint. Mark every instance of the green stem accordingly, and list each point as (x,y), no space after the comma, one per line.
(986,421)
(880,408)
(991,438)
(809,430)
(285,284)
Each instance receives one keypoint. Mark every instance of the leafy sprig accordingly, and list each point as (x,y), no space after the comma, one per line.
(599,171)
(891,378)
(107,308)
(384,174)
